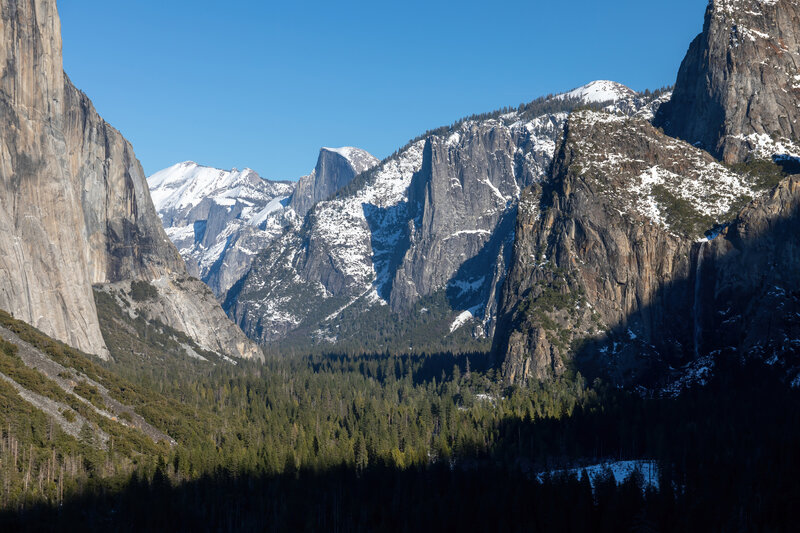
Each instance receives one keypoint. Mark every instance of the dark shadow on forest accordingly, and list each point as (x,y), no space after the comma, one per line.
(718,448)
(787,163)
(342,499)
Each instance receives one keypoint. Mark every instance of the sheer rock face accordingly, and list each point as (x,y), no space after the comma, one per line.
(606,251)
(40,207)
(126,240)
(461,205)
(76,210)
(737,89)
(336,167)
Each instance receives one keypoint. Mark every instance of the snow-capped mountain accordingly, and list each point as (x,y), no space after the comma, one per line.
(422,241)
(614,97)
(220,219)
(182,190)
(600,91)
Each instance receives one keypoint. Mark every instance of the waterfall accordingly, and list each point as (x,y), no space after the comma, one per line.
(698,279)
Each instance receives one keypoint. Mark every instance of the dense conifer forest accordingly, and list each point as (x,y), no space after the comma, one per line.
(341,442)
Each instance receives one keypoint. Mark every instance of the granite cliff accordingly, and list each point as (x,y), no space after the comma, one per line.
(76,210)
(606,251)
(642,257)
(336,168)
(737,89)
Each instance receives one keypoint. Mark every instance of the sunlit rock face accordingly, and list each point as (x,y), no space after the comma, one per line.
(76,210)
(737,90)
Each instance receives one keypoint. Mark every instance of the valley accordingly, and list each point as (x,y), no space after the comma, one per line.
(581,313)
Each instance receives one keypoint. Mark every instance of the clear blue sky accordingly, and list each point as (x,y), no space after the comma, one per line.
(264,84)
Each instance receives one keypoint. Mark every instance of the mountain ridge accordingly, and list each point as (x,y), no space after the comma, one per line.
(659,302)
(220,219)
(367,245)
(619,219)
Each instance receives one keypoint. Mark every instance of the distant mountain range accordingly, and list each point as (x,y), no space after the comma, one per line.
(220,220)
(600,230)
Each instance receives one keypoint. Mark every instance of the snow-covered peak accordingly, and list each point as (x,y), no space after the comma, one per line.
(186,184)
(219,219)
(359,159)
(600,91)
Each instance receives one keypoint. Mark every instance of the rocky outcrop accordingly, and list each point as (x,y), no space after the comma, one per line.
(188,306)
(751,283)
(606,251)
(422,240)
(76,210)
(336,167)
(737,89)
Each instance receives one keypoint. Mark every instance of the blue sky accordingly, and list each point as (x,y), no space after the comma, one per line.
(265,84)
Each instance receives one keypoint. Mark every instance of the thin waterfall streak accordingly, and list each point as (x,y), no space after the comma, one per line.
(698,277)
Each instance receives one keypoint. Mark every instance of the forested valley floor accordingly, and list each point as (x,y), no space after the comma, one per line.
(384,442)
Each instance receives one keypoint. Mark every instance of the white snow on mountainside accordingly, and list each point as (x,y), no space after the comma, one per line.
(221,219)
(355,249)
(343,225)
(185,185)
